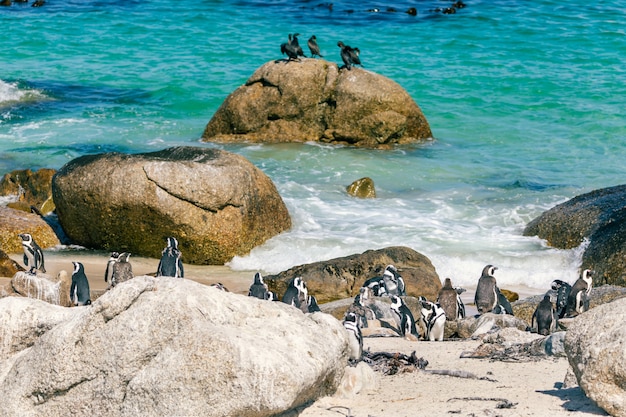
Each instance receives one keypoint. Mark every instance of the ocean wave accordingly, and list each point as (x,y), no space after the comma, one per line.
(13,93)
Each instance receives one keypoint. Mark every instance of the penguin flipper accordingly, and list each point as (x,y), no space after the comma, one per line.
(25,260)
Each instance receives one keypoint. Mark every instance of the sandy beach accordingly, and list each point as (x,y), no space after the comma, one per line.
(533,387)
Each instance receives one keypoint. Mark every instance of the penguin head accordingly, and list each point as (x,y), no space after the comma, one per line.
(78,267)
(350,317)
(172,242)
(587,274)
(258,279)
(447,284)
(489,270)
(396,302)
(26,237)
(123,257)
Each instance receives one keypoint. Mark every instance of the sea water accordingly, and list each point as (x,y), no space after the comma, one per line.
(526,101)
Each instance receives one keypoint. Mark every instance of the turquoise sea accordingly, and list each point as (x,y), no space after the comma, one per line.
(526,101)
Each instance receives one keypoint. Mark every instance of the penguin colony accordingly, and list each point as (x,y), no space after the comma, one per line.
(571,300)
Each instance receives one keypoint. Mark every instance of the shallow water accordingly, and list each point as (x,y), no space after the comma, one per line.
(526,103)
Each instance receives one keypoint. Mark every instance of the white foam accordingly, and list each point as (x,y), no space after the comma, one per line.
(11,93)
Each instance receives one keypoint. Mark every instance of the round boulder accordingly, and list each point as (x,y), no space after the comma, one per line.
(32,189)
(312,100)
(340,278)
(216,203)
(14,222)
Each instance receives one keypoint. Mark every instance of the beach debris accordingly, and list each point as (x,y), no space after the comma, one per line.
(501,402)
(459,374)
(393,363)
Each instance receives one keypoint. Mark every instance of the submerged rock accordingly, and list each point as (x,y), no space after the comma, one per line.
(312,100)
(216,203)
(164,347)
(362,188)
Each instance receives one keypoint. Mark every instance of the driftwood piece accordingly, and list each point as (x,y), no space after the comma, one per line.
(459,374)
(501,402)
(393,363)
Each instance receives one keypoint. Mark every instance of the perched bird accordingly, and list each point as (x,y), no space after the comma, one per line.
(292,48)
(171,264)
(434,320)
(33,255)
(349,55)
(503,306)
(79,290)
(578,299)
(108,273)
(404,317)
(38,3)
(296,293)
(259,288)
(376,285)
(486,297)
(122,269)
(312,305)
(450,300)
(355,344)
(562,289)
(220,286)
(544,316)
(313,47)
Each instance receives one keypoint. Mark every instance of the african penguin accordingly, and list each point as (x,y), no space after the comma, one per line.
(122,269)
(404,317)
(296,293)
(33,255)
(434,319)
(171,264)
(108,273)
(376,285)
(258,288)
(486,297)
(355,337)
(544,317)
(393,282)
(459,301)
(450,301)
(503,306)
(312,305)
(578,300)
(562,289)
(220,286)
(79,290)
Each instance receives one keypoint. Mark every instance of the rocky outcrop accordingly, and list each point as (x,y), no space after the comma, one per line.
(525,308)
(483,324)
(164,347)
(362,188)
(312,100)
(8,267)
(30,189)
(14,222)
(594,344)
(44,287)
(342,277)
(216,203)
(599,217)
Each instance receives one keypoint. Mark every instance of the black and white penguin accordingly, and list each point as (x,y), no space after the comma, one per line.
(562,289)
(355,337)
(122,269)
(376,285)
(544,316)
(450,300)
(394,284)
(404,317)
(312,305)
(258,288)
(313,47)
(271,296)
(171,264)
(434,319)
(486,297)
(108,273)
(33,255)
(578,299)
(220,286)
(503,306)
(459,301)
(296,293)
(79,290)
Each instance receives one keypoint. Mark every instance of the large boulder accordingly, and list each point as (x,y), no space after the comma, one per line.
(164,347)
(32,189)
(14,222)
(8,267)
(216,203)
(312,100)
(594,344)
(600,218)
(343,277)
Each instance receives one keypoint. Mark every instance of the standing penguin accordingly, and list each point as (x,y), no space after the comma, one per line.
(434,320)
(33,255)
(393,282)
(355,337)
(258,288)
(79,290)
(404,317)
(578,299)
(449,299)
(545,316)
(296,293)
(503,306)
(108,273)
(562,289)
(122,269)
(486,297)
(171,264)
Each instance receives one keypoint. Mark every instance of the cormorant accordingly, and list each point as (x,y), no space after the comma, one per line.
(313,47)
(349,55)
(292,48)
